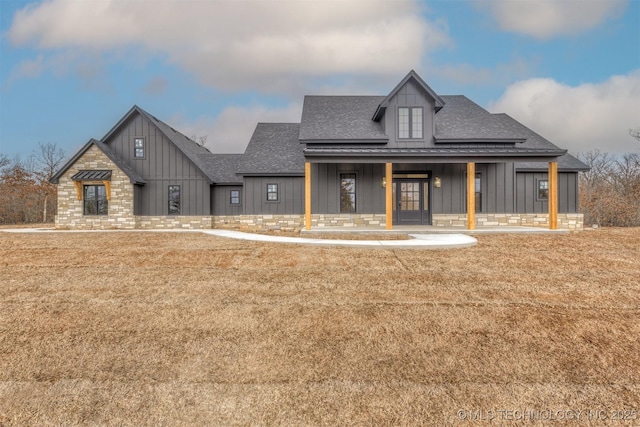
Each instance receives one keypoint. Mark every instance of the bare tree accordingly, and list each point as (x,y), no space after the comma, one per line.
(200,140)
(47,159)
(635,133)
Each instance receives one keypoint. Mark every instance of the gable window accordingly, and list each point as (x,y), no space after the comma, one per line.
(95,200)
(174,200)
(272,192)
(410,123)
(138,146)
(347,192)
(234,197)
(543,189)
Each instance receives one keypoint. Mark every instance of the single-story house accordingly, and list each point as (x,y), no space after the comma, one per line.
(410,157)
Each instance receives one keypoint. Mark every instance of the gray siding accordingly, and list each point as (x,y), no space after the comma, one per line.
(325,187)
(221,200)
(527,192)
(290,197)
(163,165)
(497,187)
(450,197)
(410,95)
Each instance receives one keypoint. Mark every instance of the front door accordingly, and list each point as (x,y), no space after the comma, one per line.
(411,202)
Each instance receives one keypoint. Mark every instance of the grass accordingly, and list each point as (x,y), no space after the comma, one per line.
(189,329)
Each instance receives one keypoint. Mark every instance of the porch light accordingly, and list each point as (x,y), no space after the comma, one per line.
(383,183)
(436,182)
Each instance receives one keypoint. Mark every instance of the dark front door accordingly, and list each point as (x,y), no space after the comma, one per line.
(411,202)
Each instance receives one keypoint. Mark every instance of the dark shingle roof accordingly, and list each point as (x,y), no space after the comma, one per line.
(341,119)
(462,119)
(222,167)
(274,149)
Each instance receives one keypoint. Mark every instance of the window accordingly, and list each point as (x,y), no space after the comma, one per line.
(347,192)
(272,192)
(478,189)
(410,123)
(543,189)
(95,200)
(174,200)
(138,145)
(234,197)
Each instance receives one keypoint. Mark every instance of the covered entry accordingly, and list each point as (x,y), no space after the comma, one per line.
(411,199)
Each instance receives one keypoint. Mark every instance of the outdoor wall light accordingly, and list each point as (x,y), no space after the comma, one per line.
(436,182)
(383,183)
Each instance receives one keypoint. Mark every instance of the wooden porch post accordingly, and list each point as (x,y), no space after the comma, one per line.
(471,196)
(389,195)
(553,195)
(307,196)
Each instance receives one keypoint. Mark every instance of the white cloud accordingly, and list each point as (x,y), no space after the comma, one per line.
(259,44)
(580,118)
(544,19)
(231,130)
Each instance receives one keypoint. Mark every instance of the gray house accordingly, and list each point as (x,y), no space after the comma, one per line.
(411,157)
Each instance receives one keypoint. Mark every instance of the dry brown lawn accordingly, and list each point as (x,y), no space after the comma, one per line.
(190,329)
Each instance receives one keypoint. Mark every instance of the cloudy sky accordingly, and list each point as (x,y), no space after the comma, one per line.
(70,69)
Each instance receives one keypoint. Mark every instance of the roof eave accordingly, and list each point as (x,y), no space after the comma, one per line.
(479,140)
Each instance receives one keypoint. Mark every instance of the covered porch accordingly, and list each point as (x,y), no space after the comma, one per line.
(419,193)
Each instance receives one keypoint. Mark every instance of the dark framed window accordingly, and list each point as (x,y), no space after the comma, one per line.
(234,197)
(174,200)
(543,189)
(410,123)
(347,192)
(272,192)
(95,200)
(478,189)
(138,148)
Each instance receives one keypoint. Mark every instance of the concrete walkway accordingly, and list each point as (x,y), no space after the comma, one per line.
(416,241)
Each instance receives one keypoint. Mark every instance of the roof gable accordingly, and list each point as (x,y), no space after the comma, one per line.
(438,101)
(134,178)
(195,153)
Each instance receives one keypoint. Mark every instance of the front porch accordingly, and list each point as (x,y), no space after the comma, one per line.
(411,193)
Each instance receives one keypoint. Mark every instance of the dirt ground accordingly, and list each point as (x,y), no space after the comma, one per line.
(190,329)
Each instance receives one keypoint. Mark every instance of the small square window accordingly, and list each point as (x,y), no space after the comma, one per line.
(272,192)
(234,197)
(543,189)
(138,144)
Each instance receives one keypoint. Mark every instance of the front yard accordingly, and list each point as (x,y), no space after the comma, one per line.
(189,329)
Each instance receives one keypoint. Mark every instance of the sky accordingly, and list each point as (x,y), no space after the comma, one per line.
(213,69)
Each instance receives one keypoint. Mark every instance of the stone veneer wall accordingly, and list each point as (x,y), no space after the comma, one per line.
(566,221)
(259,222)
(174,221)
(71,210)
(296,222)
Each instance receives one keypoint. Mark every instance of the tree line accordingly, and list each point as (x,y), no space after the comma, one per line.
(609,192)
(26,195)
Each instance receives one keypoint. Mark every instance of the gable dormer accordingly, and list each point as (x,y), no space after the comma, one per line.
(407,113)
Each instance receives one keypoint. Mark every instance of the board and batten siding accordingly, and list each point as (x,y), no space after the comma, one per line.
(162,165)
(290,195)
(527,200)
(410,95)
(325,187)
(221,200)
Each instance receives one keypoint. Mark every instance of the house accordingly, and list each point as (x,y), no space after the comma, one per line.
(410,157)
